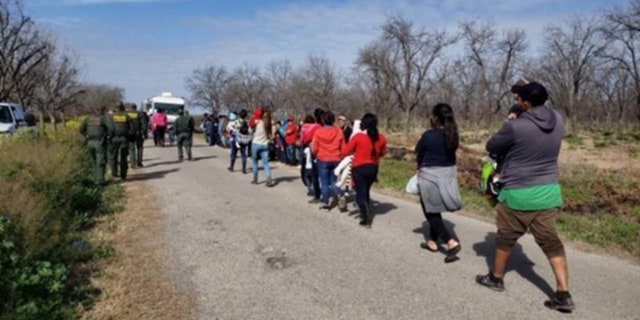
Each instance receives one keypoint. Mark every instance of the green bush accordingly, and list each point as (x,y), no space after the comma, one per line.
(47,199)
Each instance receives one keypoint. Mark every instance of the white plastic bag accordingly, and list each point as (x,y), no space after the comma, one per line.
(412,185)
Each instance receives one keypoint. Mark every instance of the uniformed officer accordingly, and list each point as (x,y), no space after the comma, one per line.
(184,126)
(138,128)
(120,133)
(95,130)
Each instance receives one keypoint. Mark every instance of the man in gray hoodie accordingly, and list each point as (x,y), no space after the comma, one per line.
(531,193)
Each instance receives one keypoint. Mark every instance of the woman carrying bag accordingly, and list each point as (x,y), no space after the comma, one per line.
(437,178)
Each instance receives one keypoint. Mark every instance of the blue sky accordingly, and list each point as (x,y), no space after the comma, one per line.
(151,46)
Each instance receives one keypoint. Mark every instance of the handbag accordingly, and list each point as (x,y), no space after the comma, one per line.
(412,185)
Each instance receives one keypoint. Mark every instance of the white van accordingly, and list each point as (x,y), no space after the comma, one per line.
(12,116)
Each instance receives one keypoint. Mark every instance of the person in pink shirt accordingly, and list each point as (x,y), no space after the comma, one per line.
(159,122)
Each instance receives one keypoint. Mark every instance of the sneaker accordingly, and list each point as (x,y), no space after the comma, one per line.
(342,203)
(314,200)
(561,301)
(254,181)
(244,171)
(140,165)
(490,282)
(325,207)
(270,183)
(365,224)
(230,169)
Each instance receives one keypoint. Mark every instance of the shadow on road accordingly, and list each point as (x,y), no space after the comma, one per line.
(151,175)
(286,179)
(518,262)
(203,158)
(451,227)
(162,163)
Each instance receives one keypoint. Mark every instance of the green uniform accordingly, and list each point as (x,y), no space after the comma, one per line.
(137,138)
(95,130)
(120,133)
(184,131)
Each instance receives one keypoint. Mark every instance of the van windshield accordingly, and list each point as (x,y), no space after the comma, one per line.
(172,109)
(5,115)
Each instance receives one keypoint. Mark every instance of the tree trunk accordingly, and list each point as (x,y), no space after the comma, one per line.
(407,120)
(52,118)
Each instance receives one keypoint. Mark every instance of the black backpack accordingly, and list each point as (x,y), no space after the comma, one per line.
(244,127)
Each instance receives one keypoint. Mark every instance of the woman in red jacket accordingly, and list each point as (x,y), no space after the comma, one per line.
(367,147)
(327,145)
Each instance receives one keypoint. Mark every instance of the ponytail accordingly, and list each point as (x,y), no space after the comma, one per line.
(369,123)
(443,113)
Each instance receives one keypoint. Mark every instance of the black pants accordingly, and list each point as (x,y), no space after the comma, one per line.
(436,226)
(364,177)
(315,178)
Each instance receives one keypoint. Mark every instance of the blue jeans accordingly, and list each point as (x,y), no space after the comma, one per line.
(292,151)
(263,151)
(327,179)
(243,154)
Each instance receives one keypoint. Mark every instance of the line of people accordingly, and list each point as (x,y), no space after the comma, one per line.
(115,138)
(527,146)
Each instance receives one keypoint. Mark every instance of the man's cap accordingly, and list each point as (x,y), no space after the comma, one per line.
(515,88)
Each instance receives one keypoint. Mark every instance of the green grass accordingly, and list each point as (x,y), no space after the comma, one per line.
(602,229)
(602,207)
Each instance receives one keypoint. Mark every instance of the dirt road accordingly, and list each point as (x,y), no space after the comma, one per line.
(251,252)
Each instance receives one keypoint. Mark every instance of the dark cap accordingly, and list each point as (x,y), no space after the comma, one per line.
(515,88)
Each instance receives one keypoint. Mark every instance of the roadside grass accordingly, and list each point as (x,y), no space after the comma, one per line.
(48,202)
(602,207)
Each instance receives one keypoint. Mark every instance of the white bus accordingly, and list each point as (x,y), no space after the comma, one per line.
(165,101)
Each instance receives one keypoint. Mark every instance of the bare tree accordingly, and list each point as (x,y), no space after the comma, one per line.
(279,75)
(22,50)
(246,89)
(569,63)
(208,86)
(58,87)
(493,58)
(623,29)
(413,53)
(95,96)
(374,64)
(320,81)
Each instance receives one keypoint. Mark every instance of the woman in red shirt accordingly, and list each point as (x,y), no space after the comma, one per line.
(367,147)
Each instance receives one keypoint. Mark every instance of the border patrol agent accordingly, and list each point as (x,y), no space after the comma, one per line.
(120,133)
(184,126)
(138,127)
(95,130)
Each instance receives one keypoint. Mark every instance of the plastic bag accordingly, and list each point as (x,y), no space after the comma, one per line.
(412,185)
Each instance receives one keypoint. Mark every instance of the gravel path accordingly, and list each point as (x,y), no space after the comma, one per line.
(252,252)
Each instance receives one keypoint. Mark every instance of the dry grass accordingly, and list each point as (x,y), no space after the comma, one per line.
(135,281)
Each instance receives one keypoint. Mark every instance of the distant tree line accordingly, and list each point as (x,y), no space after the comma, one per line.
(589,64)
(36,73)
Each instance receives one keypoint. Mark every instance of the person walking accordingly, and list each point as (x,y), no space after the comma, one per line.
(120,133)
(346,128)
(262,135)
(327,145)
(160,123)
(307,134)
(137,136)
(242,138)
(530,197)
(367,147)
(95,130)
(438,179)
(184,127)
(290,139)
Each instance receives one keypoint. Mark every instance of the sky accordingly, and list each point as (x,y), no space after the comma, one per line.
(151,46)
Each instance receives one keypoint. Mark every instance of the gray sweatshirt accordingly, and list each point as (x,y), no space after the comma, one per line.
(530,145)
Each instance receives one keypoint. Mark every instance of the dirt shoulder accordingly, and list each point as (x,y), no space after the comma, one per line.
(135,281)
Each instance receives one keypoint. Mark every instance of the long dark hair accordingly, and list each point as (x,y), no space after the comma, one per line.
(369,122)
(266,119)
(443,115)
